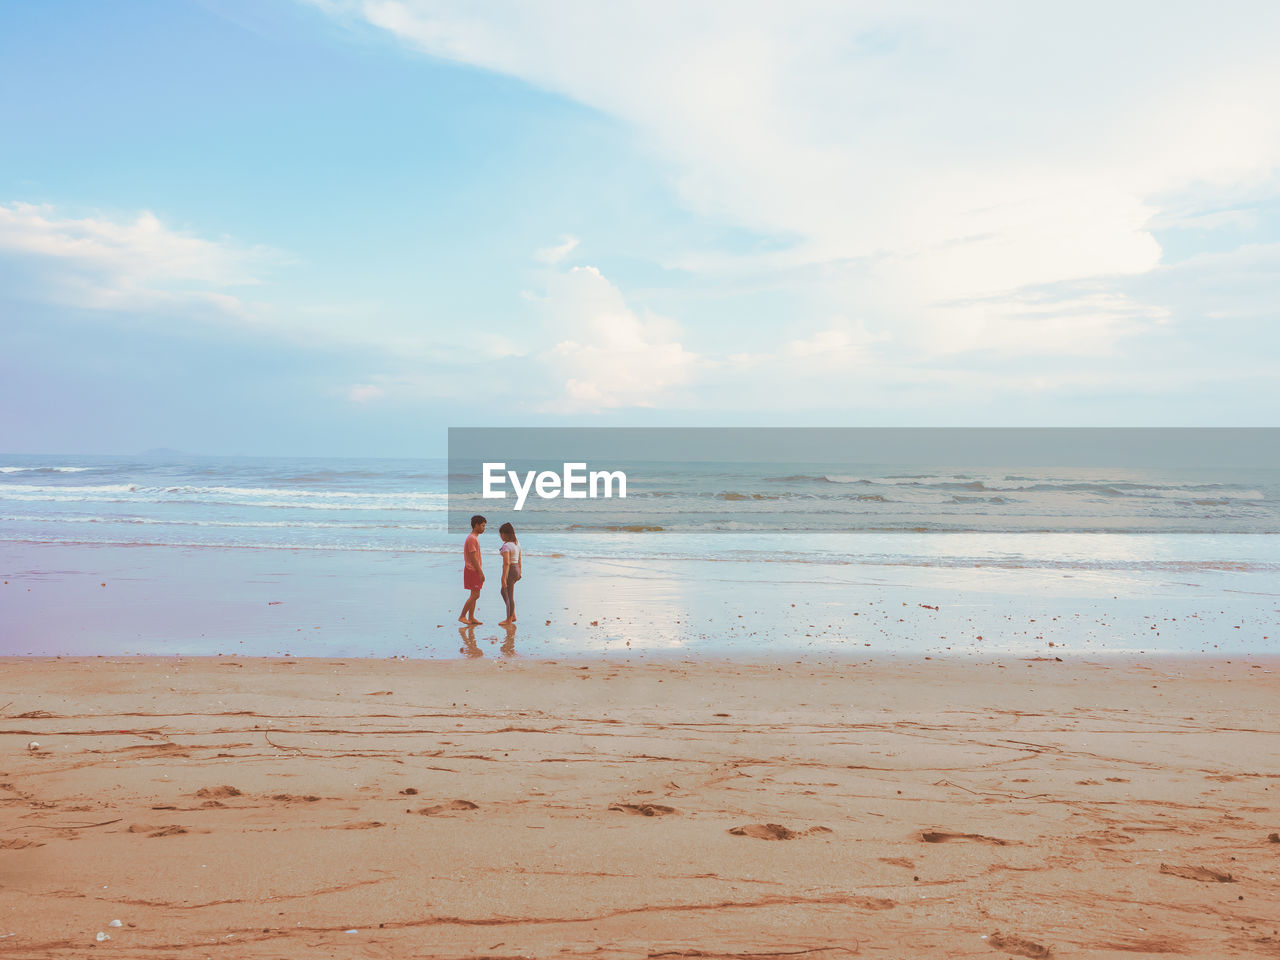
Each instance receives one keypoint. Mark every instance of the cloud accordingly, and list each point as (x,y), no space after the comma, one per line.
(365,392)
(606,355)
(135,263)
(934,156)
(138,265)
(839,343)
(1084,323)
(558,252)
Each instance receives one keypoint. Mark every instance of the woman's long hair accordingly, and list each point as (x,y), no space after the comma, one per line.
(508,532)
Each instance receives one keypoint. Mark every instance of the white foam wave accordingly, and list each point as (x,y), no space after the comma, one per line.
(281,524)
(231,496)
(45,469)
(1183,566)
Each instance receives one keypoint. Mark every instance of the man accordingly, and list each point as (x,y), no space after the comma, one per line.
(472,574)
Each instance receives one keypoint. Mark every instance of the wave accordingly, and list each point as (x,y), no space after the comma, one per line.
(45,469)
(269,504)
(1119,488)
(269,524)
(323,476)
(277,497)
(198,544)
(771,556)
(616,528)
(299,494)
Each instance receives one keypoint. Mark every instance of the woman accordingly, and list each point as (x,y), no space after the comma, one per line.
(510,552)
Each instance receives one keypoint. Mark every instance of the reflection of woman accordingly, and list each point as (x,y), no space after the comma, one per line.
(510,551)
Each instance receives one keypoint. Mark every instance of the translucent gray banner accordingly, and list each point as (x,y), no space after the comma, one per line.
(732,480)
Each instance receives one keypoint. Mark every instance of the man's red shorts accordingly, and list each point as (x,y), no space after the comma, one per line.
(471,579)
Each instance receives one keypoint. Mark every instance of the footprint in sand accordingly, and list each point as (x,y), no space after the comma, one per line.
(361,825)
(1020,946)
(1143,945)
(216,793)
(774,831)
(15,843)
(169,830)
(1203,874)
(942,836)
(448,807)
(1104,837)
(292,797)
(643,809)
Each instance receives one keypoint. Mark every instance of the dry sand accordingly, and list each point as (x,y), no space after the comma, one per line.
(499,808)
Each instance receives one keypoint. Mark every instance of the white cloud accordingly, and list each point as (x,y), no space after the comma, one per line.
(137,264)
(597,354)
(936,154)
(1089,323)
(607,355)
(840,343)
(555,254)
(1236,285)
(365,392)
(133,263)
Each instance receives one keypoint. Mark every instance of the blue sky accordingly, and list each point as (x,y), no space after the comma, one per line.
(329,227)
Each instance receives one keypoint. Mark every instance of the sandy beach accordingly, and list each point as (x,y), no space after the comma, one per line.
(241,807)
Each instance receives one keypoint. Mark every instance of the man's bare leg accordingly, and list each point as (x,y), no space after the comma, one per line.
(468,614)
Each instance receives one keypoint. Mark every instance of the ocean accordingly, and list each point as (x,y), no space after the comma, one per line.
(354,557)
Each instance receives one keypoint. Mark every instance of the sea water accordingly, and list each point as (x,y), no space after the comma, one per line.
(353,557)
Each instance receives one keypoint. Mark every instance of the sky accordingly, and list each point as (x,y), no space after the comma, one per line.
(337,228)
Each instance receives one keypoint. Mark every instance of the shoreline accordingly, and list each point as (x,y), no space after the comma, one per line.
(896,806)
(169,601)
(692,658)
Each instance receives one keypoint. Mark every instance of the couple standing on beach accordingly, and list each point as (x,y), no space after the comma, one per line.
(473,573)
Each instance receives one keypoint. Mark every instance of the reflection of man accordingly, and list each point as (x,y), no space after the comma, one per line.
(469,646)
(472,574)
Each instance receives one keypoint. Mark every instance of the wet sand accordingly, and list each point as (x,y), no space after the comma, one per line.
(68,600)
(240,807)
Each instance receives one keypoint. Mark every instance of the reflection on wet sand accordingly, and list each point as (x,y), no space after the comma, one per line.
(471,647)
